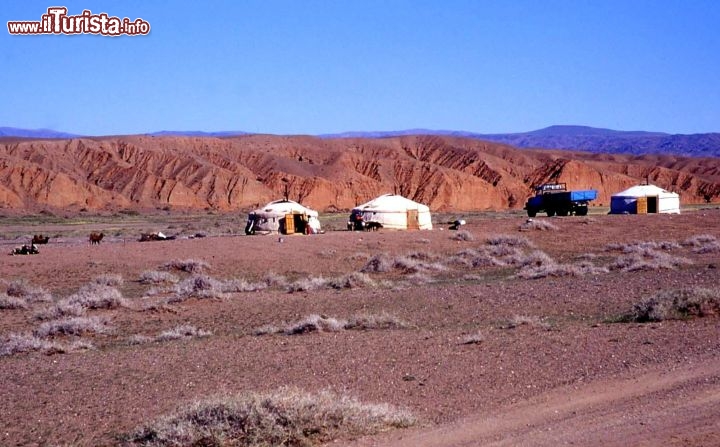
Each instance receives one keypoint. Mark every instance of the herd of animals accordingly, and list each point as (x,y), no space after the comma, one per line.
(94,239)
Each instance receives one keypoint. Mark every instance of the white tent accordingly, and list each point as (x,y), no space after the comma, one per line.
(642,199)
(283,216)
(395,212)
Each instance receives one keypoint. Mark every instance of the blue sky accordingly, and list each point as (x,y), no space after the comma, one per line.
(313,67)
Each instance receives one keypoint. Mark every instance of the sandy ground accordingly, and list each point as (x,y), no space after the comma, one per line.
(569,376)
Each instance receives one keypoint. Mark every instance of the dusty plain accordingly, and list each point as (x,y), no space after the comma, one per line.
(489,358)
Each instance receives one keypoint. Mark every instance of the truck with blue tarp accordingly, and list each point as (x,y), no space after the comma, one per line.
(554,198)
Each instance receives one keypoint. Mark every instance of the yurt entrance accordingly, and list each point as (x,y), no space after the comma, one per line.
(647,205)
(413,223)
(293,223)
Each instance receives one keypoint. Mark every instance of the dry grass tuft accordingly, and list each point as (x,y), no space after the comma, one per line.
(524,320)
(463,236)
(12,302)
(324,323)
(285,417)
(200,286)
(22,289)
(699,240)
(641,247)
(73,326)
(187,265)
(21,343)
(98,296)
(109,279)
(473,339)
(242,286)
(182,332)
(509,240)
(645,259)
(380,263)
(676,304)
(157,277)
(540,225)
(354,280)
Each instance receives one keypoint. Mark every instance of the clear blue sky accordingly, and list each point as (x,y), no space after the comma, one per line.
(311,67)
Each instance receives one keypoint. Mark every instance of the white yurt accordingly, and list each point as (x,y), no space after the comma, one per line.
(645,199)
(284,217)
(395,212)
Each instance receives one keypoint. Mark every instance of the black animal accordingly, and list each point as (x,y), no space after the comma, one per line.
(40,239)
(372,226)
(95,238)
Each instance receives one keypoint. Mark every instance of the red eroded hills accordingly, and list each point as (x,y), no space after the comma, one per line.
(447,173)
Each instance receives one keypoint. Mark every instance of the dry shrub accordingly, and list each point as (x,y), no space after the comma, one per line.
(512,241)
(314,323)
(647,259)
(308,284)
(97,296)
(324,323)
(641,247)
(187,265)
(62,309)
(540,225)
(708,247)
(182,332)
(157,277)
(473,339)
(285,417)
(524,320)
(352,280)
(370,321)
(20,288)
(109,279)
(273,279)
(12,302)
(539,265)
(463,236)
(676,304)
(380,263)
(242,286)
(416,263)
(21,343)
(327,254)
(73,326)
(200,286)
(699,240)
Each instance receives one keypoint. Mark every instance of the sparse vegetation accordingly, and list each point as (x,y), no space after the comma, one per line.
(109,279)
(323,323)
(12,302)
(473,339)
(21,343)
(524,320)
(187,265)
(508,240)
(31,294)
(182,332)
(463,236)
(73,326)
(157,277)
(647,259)
(676,304)
(286,416)
(538,224)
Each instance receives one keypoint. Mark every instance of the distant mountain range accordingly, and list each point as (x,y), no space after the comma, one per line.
(582,138)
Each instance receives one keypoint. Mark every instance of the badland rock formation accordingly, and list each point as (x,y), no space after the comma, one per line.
(243,172)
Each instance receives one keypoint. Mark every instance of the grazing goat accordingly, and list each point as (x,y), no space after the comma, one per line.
(95,238)
(40,239)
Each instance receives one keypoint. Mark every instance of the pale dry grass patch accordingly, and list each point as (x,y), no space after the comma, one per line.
(510,240)
(22,343)
(463,236)
(473,339)
(646,260)
(109,279)
(538,224)
(20,288)
(186,265)
(285,417)
(184,332)
(676,304)
(324,323)
(157,277)
(8,302)
(73,326)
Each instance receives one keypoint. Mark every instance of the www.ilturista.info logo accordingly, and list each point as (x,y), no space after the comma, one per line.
(56,21)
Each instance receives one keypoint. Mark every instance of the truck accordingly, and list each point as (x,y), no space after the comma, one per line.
(554,198)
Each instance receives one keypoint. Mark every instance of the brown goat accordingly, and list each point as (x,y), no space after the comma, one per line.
(95,238)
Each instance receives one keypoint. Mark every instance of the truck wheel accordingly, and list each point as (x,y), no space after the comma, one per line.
(532,213)
(550,213)
(562,212)
(581,211)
